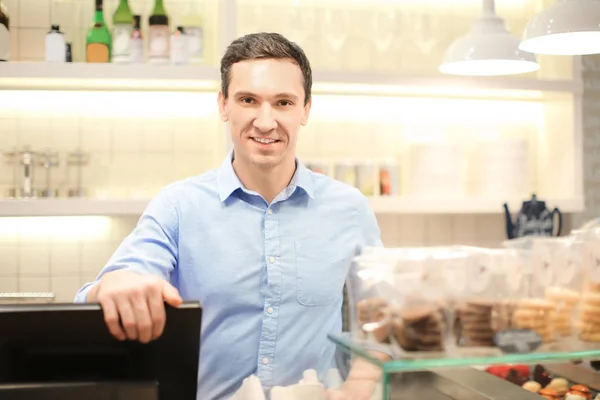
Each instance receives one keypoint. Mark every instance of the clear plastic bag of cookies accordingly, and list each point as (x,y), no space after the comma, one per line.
(424,321)
(588,310)
(375,292)
(482,298)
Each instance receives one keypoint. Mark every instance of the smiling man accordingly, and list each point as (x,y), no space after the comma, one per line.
(262,242)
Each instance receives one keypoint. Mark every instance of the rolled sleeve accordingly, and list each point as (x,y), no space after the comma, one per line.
(152,247)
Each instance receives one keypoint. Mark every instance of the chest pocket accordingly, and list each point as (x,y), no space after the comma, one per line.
(320,273)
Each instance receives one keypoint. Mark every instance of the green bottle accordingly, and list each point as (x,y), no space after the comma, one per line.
(122,28)
(98,41)
(159,35)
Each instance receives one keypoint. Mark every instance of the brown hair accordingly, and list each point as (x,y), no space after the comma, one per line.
(264,45)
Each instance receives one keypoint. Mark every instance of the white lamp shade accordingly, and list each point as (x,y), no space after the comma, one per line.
(488,50)
(567,27)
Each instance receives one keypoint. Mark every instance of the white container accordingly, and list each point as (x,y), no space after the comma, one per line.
(179,47)
(56,47)
(345,171)
(366,178)
(501,167)
(436,170)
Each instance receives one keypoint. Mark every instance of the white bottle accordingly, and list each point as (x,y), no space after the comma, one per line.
(56,47)
(193,24)
(137,42)
(179,47)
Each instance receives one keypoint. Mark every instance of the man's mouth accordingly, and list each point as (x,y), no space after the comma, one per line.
(264,140)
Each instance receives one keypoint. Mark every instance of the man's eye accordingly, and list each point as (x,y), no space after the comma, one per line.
(248,100)
(285,103)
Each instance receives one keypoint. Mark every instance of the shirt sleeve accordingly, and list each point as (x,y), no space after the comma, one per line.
(371,234)
(151,248)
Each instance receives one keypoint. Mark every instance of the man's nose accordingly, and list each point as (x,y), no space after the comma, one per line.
(265,120)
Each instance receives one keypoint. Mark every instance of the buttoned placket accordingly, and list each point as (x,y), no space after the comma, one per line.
(266,351)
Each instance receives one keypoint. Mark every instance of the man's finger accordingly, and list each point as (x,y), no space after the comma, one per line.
(157,314)
(171,295)
(336,395)
(128,319)
(111,317)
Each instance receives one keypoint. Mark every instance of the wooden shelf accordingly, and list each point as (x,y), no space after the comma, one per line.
(380,205)
(147,77)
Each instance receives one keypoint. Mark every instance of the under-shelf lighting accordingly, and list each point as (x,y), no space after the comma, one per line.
(567,27)
(488,50)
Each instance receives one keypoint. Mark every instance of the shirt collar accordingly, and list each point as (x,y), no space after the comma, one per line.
(228,182)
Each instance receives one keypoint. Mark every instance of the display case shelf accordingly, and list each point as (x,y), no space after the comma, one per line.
(379,205)
(544,355)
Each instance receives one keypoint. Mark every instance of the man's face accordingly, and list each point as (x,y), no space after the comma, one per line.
(265,109)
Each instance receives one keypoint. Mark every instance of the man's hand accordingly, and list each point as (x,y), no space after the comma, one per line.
(133,304)
(362,380)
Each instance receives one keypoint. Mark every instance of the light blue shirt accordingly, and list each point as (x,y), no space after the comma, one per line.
(269,277)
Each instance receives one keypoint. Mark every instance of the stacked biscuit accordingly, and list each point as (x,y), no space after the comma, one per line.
(564,301)
(374,319)
(589,314)
(474,325)
(419,328)
(537,315)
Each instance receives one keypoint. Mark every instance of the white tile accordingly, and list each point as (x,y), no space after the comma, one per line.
(34,14)
(439,230)
(9,261)
(32,43)
(34,284)
(34,261)
(127,135)
(65,288)
(464,229)
(94,256)
(14,45)
(9,285)
(413,230)
(157,136)
(8,138)
(65,260)
(65,133)
(97,135)
(491,228)
(121,228)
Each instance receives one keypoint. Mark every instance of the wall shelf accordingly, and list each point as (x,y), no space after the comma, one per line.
(145,77)
(380,205)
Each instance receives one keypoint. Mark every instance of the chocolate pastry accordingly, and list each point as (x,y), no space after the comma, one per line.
(514,377)
(541,376)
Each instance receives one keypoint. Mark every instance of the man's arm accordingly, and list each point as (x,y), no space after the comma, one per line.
(150,249)
(363,377)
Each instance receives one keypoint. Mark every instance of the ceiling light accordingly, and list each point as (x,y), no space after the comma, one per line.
(567,27)
(488,50)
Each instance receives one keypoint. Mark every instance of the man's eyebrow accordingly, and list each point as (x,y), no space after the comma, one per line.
(277,96)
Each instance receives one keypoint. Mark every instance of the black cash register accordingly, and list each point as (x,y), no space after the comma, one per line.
(65,352)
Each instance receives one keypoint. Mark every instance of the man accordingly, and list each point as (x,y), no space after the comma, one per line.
(262,242)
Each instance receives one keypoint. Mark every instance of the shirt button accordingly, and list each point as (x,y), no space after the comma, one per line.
(272,260)
(270,310)
(270,212)
(265,360)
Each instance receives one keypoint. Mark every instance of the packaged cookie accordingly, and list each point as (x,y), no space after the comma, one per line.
(588,310)
(474,326)
(424,320)
(376,286)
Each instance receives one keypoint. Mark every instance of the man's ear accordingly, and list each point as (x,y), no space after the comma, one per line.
(222,101)
(304,119)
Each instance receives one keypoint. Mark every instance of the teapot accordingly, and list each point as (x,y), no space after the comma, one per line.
(534,219)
